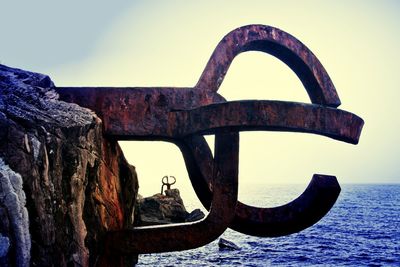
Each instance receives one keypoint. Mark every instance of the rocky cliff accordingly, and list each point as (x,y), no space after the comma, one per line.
(62,183)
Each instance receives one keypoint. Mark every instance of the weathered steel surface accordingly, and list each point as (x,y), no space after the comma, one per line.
(279,44)
(293,217)
(181,115)
(136,113)
(267,116)
(164,122)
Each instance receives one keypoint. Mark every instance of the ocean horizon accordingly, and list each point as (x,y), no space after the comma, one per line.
(362,229)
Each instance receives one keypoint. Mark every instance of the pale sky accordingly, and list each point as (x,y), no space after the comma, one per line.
(168,43)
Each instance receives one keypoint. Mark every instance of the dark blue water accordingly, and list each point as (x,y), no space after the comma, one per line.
(362,229)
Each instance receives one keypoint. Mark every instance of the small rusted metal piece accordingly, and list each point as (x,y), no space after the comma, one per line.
(165,182)
(182,115)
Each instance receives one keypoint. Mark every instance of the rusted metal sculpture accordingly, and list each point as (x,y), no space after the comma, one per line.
(165,182)
(183,115)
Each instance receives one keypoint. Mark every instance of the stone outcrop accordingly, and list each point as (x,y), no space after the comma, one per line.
(195,215)
(77,184)
(224,244)
(164,209)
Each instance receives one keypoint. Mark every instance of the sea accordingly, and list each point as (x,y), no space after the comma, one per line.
(362,229)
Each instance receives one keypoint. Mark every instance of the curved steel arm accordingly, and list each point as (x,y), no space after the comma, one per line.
(265,115)
(279,44)
(297,215)
(155,239)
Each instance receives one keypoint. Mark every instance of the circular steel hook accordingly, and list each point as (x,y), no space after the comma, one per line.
(299,214)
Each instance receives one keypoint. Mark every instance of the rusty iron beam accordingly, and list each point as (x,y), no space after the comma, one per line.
(265,115)
(144,110)
(122,123)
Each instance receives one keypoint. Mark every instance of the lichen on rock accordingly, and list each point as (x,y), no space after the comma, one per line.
(16,226)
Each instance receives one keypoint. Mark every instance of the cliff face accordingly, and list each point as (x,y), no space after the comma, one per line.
(62,183)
